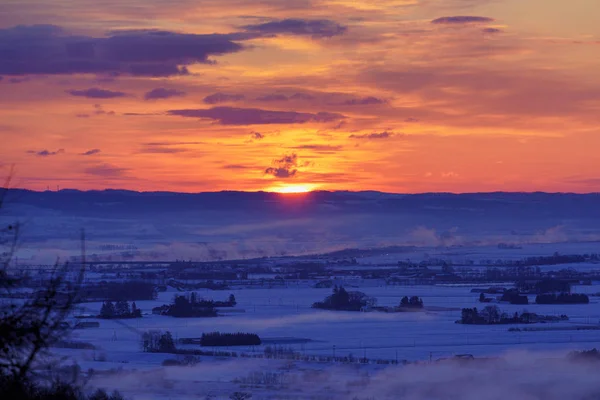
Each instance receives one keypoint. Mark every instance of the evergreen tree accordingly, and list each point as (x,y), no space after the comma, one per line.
(107,310)
(122,309)
(166,344)
(135,312)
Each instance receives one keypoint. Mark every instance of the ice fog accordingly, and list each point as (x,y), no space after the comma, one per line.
(514,375)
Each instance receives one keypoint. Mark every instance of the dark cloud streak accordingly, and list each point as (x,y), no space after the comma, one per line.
(91,152)
(106,170)
(365,101)
(321,28)
(162,93)
(96,93)
(217,98)
(254,116)
(48,50)
(46,153)
(376,135)
(272,97)
(461,19)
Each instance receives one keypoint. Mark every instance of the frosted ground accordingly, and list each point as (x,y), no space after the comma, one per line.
(204,227)
(286,313)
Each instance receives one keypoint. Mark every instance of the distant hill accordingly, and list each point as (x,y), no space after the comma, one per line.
(119,202)
(226,225)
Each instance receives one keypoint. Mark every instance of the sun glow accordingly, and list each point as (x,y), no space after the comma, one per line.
(293,188)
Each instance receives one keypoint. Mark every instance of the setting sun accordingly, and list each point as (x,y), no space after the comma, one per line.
(295,188)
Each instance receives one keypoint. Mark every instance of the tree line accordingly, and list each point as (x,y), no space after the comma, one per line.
(342,300)
(192,306)
(119,310)
(412,302)
(491,315)
(158,342)
(562,298)
(230,339)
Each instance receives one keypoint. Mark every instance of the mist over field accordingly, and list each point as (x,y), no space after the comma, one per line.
(518,375)
(234,225)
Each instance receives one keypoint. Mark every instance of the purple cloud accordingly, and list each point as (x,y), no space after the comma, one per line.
(236,166)
(285,167)
(273,97)
(319,28)
(47,49)
(461,19)
(491,30)
(106,170)
(320,148)
(98,110)
(162,93)
(96,93)
(365,101)
(91,152)
(162,149)
(302,96)
(379,135)
(46,153)
(217,98)
(254,116)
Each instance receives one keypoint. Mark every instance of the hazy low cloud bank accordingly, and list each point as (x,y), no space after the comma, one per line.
(522,376)
(518,376)
(426,236)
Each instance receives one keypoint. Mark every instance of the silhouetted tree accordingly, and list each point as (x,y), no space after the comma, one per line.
(491,314)
(28,328)
(412,302)
(166,344)
(341,300)
(230,339)
(122,308)
(108,310)
(135,312)
(158,342)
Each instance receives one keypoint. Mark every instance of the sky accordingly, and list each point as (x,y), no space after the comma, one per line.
(294,95)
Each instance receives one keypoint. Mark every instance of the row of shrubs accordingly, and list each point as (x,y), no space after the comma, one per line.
(514,297)
(119,310)
(230,339)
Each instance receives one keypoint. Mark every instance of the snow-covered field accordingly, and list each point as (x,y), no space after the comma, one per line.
(286,313)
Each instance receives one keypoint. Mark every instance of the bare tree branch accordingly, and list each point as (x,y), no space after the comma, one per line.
(28,328)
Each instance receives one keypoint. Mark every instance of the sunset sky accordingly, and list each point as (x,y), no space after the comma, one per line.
(285,95)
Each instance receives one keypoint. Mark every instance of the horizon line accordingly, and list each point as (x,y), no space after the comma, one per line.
(293,193)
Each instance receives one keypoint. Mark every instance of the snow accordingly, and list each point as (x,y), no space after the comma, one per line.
(285,312)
